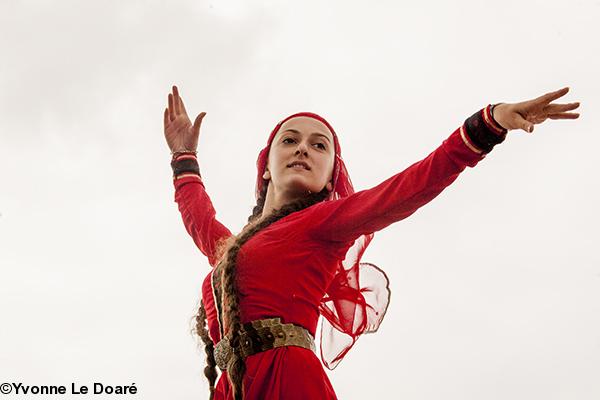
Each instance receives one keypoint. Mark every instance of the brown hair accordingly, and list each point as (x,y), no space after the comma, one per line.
(228,254)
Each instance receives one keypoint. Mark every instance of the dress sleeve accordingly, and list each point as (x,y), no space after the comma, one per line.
(199,216)
(368,211)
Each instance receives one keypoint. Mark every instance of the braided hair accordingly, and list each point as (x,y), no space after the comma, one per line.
(231,310)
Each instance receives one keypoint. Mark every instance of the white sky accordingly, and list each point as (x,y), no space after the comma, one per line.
(495,284)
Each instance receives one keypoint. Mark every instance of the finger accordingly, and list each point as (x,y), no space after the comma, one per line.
(176,100)
(179,107)
(182,107)
(166,118)
(522,123)
(558,108)
(564,116)
(198,121)
(171,110)
(550,97)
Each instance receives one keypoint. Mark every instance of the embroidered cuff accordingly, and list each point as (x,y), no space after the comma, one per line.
(483,131)
(185,164)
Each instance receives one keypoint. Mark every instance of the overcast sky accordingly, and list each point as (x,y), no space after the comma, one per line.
(495,283)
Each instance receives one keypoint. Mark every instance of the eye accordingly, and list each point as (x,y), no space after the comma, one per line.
(284,140)
(322,146)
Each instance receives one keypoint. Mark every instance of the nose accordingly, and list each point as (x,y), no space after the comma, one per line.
(302,149)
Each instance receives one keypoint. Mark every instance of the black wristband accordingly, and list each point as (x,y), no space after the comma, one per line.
(482,136)
(180,166)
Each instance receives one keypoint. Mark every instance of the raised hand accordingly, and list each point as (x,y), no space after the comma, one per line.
(526,114)
(181,135)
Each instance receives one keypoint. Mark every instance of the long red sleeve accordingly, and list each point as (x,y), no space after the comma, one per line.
(396,198)
(199,216)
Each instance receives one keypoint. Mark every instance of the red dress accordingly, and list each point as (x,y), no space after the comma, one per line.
(285,269)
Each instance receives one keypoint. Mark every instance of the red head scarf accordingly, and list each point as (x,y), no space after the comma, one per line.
(357,298)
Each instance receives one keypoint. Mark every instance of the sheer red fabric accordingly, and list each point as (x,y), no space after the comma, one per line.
(358,296)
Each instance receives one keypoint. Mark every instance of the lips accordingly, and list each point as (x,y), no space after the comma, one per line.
(302,163)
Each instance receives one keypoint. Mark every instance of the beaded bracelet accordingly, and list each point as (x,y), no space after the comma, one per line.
(183,151)
(492,112)
(492,121)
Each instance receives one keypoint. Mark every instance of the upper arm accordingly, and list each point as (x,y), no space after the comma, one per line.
(395,198)
(199,216)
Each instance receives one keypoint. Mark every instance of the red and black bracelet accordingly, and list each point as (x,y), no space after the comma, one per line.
(483,130)
(185,163)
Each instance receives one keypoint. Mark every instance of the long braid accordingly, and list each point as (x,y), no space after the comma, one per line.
(210,371)
(231,247)
(231,309)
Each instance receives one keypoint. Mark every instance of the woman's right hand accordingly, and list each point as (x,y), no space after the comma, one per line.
(181,135)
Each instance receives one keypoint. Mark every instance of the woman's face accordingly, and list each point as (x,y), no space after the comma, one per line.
(301,140)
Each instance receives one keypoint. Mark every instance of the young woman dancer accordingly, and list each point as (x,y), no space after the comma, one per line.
(299,255)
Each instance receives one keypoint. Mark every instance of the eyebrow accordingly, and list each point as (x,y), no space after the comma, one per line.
(314,133)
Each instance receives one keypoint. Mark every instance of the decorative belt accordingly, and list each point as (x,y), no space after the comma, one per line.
(261,335)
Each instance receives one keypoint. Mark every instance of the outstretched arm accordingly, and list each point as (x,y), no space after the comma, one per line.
(197,211)
(401,195)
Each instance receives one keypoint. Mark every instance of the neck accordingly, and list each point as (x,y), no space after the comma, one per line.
(276,200)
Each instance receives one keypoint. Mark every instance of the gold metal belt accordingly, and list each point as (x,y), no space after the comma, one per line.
(261,335)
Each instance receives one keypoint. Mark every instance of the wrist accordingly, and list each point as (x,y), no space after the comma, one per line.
(498,112)
(175,153)
(181,156)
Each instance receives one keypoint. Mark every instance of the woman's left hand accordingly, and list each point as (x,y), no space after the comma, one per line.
(526,114)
